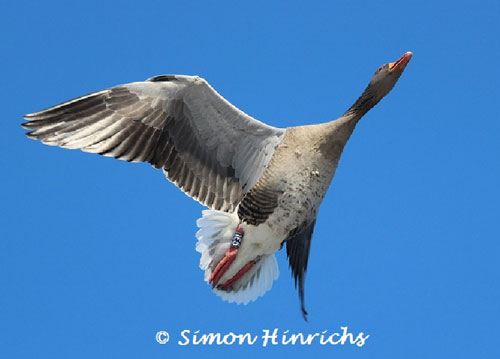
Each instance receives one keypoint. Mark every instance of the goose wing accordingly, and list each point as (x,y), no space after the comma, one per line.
(210,149)
(297,251)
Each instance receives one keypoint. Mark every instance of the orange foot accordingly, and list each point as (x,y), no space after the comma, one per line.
(225,262)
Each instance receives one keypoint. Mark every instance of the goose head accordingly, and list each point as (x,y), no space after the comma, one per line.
(380,85)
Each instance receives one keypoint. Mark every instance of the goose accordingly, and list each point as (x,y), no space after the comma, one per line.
(263,185)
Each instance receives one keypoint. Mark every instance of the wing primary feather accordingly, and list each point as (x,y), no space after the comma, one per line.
(298,245)
(204,144)
(69,106)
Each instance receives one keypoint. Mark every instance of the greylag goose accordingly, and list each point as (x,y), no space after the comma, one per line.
(263,185)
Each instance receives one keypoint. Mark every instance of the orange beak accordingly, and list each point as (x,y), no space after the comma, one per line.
(401,63)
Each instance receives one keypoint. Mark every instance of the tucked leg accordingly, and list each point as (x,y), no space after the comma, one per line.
(225,262)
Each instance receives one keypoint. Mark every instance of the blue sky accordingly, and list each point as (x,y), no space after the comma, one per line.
(97,255)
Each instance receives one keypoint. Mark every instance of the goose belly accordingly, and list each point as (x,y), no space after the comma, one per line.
(300,201)
(297,206)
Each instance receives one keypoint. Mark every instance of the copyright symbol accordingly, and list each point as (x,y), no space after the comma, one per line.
(162,337)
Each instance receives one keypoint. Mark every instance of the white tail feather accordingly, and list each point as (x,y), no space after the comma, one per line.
(255,283)
(214,237)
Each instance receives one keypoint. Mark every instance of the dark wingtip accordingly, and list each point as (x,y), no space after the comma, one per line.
(31,135)
(27,125)
(304,313)
(161,78)
(31,121)
(301,297)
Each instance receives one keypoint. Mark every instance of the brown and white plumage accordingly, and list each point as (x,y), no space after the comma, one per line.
(266,181)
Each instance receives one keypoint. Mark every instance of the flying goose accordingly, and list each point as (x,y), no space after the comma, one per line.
(263,185)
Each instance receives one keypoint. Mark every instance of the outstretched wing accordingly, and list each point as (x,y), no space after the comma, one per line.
(206,146)
(297,251)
